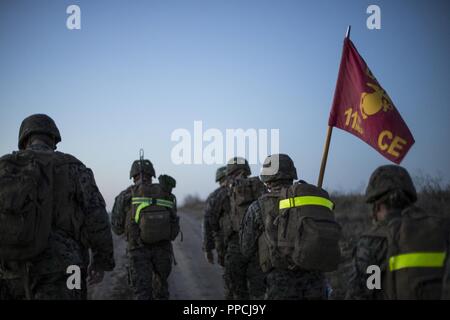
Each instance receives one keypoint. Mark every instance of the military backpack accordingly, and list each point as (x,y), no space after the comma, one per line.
(417,244)
(243,192)
(32,189)
(300,230)
(154,212)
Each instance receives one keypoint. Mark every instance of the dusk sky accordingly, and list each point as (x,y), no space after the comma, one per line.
(137,71)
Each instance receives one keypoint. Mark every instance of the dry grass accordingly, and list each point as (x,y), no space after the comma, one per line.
(354,217)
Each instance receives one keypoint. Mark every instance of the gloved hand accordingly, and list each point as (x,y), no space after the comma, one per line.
(209,256)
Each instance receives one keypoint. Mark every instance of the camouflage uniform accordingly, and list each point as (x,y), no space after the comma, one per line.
(216,208)
(369,251)
(243,272)
(392,184)
(242,275)
(68,244)
(213,240)
(282,284)
(149,265)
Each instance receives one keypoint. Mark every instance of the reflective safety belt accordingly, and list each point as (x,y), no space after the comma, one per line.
(306,201)
(144,202)
(417,260)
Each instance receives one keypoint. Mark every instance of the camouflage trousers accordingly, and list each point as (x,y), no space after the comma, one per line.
(42,287)
(149,270)
(295,285)
(243,278)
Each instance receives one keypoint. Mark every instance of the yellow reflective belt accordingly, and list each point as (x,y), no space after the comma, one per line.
(144,202)
(417,260)
(306,201)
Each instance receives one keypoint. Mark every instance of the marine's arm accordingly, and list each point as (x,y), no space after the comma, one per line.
(218,208)
(251,229)
(369,251)
(119,212)
(208,237)
(97,227)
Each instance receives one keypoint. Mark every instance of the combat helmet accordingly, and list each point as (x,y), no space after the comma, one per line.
(389,178)
(285,170)
(147,168)
(221,173)
(238,164)
(38,124)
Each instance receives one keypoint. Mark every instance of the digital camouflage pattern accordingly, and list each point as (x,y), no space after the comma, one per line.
(38,124)
(68,244)
(278,167)
(147,168)
(295,285)
(213,233)
(221,173)
(212,207)
(369,250)
(405,228)
(149,269)
(389,178)
(242,277)
(149,265)
(238,164)
(244,274)
(281,284)
(373,248)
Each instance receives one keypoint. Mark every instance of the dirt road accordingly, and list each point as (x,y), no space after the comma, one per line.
(192,277)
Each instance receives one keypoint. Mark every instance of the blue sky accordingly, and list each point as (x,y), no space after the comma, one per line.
(138,70)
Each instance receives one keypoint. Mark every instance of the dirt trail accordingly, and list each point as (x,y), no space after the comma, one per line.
(192,277)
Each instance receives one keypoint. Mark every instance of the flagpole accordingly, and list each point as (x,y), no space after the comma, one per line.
(328,139)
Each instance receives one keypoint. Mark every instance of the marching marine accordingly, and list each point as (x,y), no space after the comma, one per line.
(408,244)
(52,215)
(293,262)
(146,213)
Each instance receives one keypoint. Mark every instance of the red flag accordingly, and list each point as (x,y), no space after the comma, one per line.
(363,108)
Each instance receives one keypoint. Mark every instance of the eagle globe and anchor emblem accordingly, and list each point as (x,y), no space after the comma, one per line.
(376,101)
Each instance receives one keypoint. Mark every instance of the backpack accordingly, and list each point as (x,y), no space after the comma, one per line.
(417,244)
(26,204)
(268,254)
(153,211)
(242,193)
(302,233)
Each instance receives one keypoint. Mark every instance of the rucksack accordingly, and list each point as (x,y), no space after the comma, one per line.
(417,244)
(26,204)
(242,193)
(268,253)
(301,232)
(153,210)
